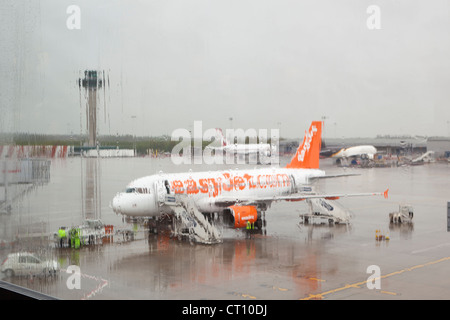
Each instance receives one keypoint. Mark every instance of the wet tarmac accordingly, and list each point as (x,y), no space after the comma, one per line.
(290,261)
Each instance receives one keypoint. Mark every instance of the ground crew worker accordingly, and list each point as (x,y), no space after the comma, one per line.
(249,227)
(77,238)
(72,238)
(62,236)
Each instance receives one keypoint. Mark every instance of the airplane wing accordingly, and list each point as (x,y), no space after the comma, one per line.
(229,201)
(338,175)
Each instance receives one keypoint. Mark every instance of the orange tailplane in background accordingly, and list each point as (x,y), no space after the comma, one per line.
(307,155)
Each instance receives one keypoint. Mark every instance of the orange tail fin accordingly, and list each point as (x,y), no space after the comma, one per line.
(307,155)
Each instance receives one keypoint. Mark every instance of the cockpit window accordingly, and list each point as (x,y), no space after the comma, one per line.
(130,190)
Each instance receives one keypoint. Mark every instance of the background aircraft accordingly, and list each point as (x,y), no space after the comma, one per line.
(242,149)
(346,155)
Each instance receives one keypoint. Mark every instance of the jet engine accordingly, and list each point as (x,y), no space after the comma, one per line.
(239,216)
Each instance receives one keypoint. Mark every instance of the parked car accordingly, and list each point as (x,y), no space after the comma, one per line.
(25,263)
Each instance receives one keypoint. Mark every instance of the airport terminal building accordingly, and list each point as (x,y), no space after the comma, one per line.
(384,144)
(440,146)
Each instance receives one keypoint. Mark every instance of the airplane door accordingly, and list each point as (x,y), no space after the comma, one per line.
(167,186)
(293,184)
(160,191)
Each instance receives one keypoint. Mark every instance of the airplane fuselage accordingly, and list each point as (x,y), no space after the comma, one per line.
(369,151)
(146,196)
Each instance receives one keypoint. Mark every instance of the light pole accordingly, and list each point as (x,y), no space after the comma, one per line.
(134,134)
(323,124)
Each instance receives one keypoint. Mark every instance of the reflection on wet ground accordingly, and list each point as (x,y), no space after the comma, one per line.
(289,261)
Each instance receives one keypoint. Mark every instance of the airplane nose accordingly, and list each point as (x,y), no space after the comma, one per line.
(116,204)
(134,204)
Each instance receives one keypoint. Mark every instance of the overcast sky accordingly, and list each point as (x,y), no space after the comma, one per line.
(266,64)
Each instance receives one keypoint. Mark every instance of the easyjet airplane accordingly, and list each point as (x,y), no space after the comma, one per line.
(240,194)
(264,149)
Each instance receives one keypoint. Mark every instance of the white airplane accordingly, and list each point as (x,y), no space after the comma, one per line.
(367,152)
(264,149)
(239,195)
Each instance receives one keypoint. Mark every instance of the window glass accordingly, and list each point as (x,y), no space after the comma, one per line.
(97,94)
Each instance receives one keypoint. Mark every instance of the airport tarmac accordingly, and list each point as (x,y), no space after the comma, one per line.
(290,261)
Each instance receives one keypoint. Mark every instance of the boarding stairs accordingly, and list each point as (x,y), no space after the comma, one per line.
(190,222)
(320,209)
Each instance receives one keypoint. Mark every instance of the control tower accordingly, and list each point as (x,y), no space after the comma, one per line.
(91,186)
(91,83)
